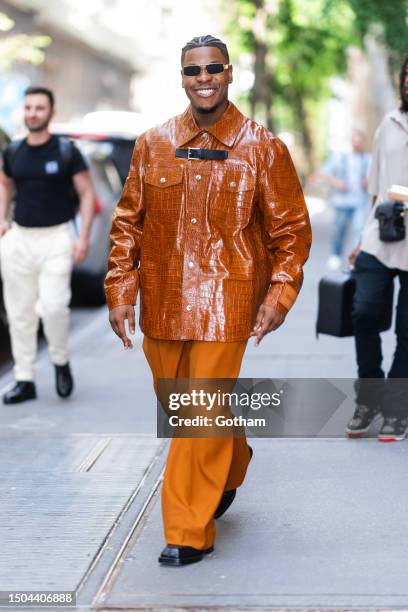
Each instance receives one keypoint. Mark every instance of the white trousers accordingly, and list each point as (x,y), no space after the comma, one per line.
(36,265)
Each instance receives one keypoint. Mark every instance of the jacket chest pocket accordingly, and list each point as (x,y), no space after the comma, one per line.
(164,189)
(232,198)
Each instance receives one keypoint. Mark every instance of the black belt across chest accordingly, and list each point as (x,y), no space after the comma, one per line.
(192,153)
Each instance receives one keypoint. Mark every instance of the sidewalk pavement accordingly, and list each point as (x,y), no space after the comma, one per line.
(318,523)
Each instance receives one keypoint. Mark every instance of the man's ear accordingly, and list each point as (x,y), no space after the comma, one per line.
(230,78)
(182,80)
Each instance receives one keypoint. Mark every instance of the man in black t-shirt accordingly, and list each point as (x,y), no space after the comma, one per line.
(43,176)
(49,176)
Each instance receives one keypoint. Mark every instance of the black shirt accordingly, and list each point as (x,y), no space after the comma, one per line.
(43,181)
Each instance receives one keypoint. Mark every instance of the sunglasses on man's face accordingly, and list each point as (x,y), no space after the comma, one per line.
(191,71)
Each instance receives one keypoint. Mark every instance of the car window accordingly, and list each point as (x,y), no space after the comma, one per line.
(99,157)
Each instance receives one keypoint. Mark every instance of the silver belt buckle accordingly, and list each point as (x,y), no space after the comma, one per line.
(191,154)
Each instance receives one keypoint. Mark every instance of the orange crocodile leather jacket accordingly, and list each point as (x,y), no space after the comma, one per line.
(208,241)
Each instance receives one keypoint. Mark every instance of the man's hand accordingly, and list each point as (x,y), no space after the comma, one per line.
(4,227)
(268,319)
(353,256)
(117,317)
(80,250)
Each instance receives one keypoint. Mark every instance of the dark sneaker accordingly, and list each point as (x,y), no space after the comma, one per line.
(394,429)
(361,420)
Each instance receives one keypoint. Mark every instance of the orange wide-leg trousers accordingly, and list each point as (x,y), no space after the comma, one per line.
(198,470)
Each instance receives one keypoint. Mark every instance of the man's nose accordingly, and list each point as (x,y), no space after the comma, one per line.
(203,76)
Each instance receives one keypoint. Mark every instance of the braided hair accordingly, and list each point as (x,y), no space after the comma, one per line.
(205,41)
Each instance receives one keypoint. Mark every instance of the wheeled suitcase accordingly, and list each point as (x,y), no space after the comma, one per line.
(336,293)
(334,316)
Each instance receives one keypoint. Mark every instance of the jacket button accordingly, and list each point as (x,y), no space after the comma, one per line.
(191,264)
(198,177)
(193,220)
(233,184)
(162,180)
(189,307)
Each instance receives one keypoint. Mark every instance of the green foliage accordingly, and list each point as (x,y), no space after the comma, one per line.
(310,49)
(306,42)
(390,15)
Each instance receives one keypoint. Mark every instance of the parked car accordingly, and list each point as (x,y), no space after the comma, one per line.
(108,152)
(108,158)
(106,138)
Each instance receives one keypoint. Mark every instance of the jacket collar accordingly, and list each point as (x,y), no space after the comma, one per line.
(399,117)
(225,130)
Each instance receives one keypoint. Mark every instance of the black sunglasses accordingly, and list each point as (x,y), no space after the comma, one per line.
(210,68)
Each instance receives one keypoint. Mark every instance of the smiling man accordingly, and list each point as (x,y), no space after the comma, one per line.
(212,227)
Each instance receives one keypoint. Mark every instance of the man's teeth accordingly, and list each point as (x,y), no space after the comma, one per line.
(205,93)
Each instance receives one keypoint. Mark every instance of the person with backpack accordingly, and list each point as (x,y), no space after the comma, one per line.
(37,251)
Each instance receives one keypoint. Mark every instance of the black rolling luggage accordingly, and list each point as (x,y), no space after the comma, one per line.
(334,317)
(336,293)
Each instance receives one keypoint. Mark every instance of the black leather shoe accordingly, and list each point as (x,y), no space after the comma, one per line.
(226,500)
(228,496)
(21,392)
(182,555)
(64,382)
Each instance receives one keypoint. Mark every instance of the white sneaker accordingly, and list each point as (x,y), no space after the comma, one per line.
(334,262)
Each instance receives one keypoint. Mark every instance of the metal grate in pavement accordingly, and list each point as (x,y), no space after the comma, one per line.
(30,452)
(54,518)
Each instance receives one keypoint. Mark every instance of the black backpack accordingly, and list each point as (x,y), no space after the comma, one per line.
(66,149)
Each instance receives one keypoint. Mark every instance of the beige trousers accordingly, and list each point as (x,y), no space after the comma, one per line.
(36,266)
